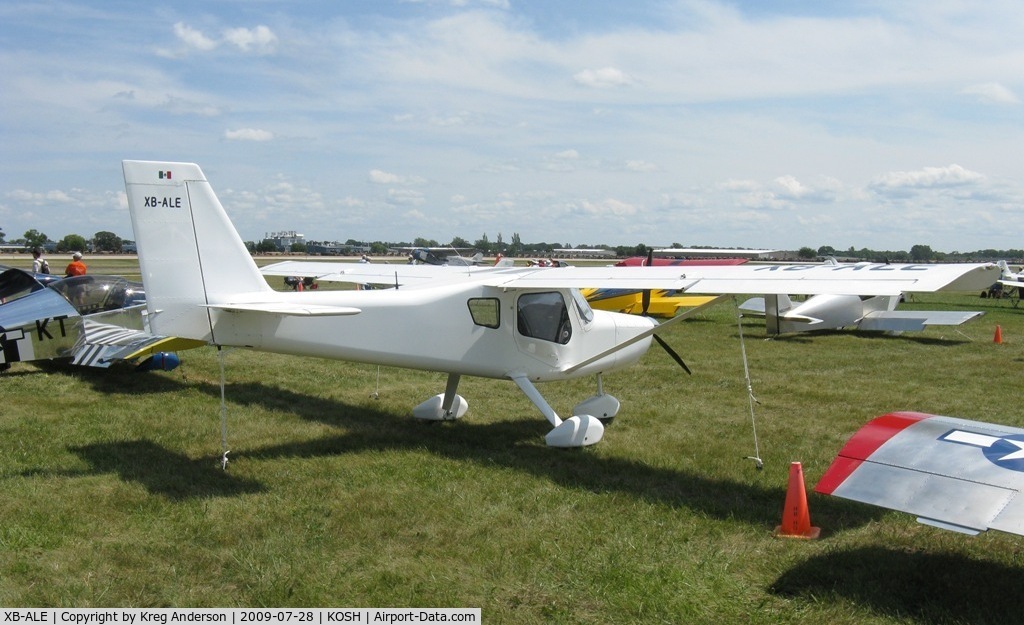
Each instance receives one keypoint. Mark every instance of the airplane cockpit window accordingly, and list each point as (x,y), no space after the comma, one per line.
(92,294)
(544,316)
(485,311)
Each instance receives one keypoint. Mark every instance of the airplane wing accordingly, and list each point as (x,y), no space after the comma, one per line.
(954,474)
(858,279)
(369,273)
(288,310)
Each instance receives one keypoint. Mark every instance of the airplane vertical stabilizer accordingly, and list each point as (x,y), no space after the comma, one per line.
(189,253)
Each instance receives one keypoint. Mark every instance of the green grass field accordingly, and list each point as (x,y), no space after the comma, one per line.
(111,493)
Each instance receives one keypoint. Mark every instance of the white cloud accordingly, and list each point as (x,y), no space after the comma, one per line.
(735,185)
(640,166)
(823,190)
(260,39)
(405,196)
(608,207)
(991,93)
(378,176)
(382,177)
(604,78)
(791,186)
(926,178)
(248,134)
(193,38)
(36,198)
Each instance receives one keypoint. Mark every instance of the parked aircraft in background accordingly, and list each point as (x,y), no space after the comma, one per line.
(430,257)
(708,252)
(42,278)
(522,324)
(955,474)
(1009,279)
(1009,276)
(655,303)
(92,320)
(835,312)
(654,261)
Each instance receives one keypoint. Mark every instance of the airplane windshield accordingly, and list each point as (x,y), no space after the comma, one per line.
(582,306)
(92,294)
(15,283)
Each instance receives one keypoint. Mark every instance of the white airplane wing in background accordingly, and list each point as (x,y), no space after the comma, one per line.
(370,273)
(955,474)
(860,279)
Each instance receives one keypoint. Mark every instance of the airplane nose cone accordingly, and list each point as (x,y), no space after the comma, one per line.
(628,326)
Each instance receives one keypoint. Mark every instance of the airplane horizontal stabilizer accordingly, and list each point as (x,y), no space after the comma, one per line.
(102,344)
(286,309)
(753,306)
(915,320)
(951,473)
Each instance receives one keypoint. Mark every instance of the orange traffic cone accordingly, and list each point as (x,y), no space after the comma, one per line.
(999,336)
(796,518)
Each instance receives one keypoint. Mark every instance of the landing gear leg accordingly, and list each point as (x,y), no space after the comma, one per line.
(602,406)
(447,406)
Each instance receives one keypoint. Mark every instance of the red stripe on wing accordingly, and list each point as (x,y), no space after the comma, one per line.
(865,442)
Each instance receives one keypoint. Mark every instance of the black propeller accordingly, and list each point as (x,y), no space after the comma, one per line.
(645,301)
(645,295)
(672,353)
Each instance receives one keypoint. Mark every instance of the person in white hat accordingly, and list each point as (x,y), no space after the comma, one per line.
(76,267)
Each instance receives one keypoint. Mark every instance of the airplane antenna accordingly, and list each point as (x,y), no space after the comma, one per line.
(750,394)
(223,414)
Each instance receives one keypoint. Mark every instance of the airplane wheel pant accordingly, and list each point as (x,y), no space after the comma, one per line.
(578,431)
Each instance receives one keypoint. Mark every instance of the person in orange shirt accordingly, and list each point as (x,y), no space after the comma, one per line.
(76,267)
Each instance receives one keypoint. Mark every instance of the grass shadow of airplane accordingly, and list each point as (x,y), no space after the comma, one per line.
(926,587)
(516,444)
(865,335)
(164,472)
(159,470)
(513,444)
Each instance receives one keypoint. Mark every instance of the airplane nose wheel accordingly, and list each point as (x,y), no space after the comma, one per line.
(602,406)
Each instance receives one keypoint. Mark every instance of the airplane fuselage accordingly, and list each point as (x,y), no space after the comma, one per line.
(466,329)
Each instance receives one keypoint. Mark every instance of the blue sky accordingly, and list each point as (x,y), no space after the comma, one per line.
(742,124)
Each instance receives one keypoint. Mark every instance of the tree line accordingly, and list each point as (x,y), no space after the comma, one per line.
(102,241)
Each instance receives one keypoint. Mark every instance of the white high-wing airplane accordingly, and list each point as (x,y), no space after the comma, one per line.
(835,312)
(527,325)
(1010,278)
